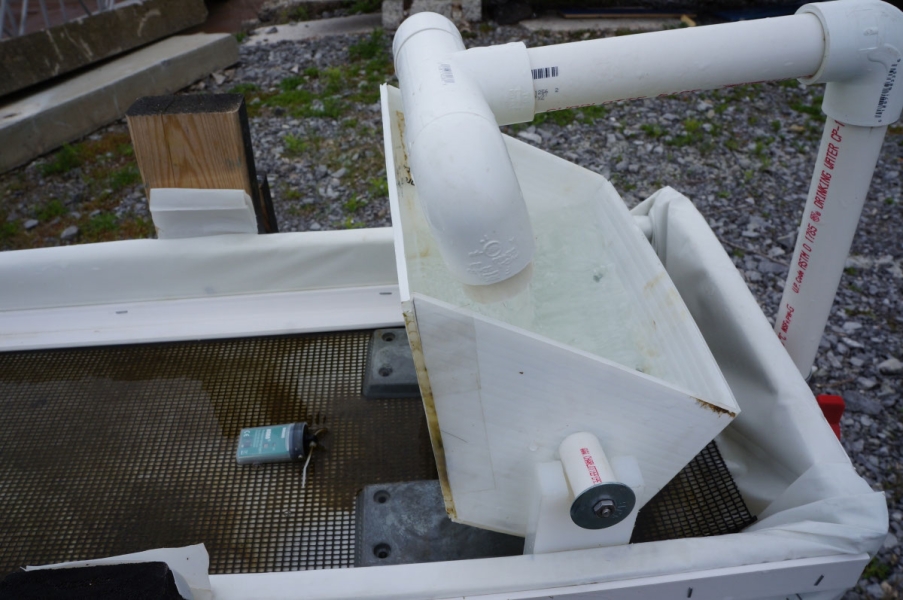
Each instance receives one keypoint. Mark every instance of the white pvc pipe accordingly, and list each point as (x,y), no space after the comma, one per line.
(584,461)
(464,177)
(673,61)
(863,50)
(843,172)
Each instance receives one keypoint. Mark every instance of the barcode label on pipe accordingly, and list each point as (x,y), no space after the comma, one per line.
(590,466)
(545,73)
(445,72)
(885,91)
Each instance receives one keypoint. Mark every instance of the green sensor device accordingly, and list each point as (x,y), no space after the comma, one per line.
(274,443)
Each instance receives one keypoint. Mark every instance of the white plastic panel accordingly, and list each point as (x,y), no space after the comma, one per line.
(595,338)
(506,398)
(207,267)
(185,213)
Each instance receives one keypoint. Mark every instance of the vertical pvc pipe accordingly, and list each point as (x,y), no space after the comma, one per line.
(678,60)
(843,171)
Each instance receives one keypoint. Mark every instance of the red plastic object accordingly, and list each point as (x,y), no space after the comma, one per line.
(832,407)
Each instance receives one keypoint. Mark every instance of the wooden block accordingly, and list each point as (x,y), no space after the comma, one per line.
(197,141)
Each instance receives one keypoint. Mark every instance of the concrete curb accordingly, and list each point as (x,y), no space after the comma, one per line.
(558,24)
(314,29)
(45,120)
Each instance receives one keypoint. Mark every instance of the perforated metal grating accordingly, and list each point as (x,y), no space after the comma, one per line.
(701,500)
(106,451)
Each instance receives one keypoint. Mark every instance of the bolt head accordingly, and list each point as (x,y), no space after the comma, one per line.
(604,508)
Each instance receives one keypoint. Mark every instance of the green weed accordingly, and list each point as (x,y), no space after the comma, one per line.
(124,177)
(593,113)
(244,88)
(99,225)
(378,187)
(370,47)
(350,223)
(51,210)
(295,145)
(652,130)
(562,118)
(8,229)
(299,13)
(876,569)
(290,83)
(365,6)
(290,99)
(813,110)
(66,159)
(692,136)
(334,81)
(354,204)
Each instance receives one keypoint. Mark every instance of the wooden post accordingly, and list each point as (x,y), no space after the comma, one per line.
(197,141)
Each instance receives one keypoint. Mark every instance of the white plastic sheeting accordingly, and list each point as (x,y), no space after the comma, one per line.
(186,213)
(214,266)
(791,469)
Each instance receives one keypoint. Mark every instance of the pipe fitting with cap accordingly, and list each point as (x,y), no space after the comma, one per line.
(600,501)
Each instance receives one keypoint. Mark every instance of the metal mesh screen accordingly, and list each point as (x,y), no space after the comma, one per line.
(701,500)
(107,451)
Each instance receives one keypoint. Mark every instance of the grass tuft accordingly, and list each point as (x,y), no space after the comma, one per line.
(66,159)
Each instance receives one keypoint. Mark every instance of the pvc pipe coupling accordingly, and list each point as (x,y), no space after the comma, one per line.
(454,101)
(862,56)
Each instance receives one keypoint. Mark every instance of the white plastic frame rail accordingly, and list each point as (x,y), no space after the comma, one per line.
(455,99)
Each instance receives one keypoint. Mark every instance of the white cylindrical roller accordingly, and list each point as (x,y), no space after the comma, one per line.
(674,61)
(599,500)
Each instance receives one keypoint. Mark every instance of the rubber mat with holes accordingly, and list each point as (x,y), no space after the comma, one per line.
(106,451)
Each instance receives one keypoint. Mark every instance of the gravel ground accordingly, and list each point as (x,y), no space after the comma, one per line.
(743,155)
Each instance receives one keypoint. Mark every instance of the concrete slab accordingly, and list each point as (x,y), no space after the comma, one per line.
(314,29)
(42,55)
(67,111)
(557,24)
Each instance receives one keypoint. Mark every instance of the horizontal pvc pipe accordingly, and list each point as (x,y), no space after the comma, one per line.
(674,61)
(846,160)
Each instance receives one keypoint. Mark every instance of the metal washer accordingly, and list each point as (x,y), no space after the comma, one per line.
(582,509)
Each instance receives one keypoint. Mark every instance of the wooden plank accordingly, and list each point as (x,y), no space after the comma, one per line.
(197,141)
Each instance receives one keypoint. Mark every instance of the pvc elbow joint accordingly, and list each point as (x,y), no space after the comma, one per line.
(459,162)
(862,59)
